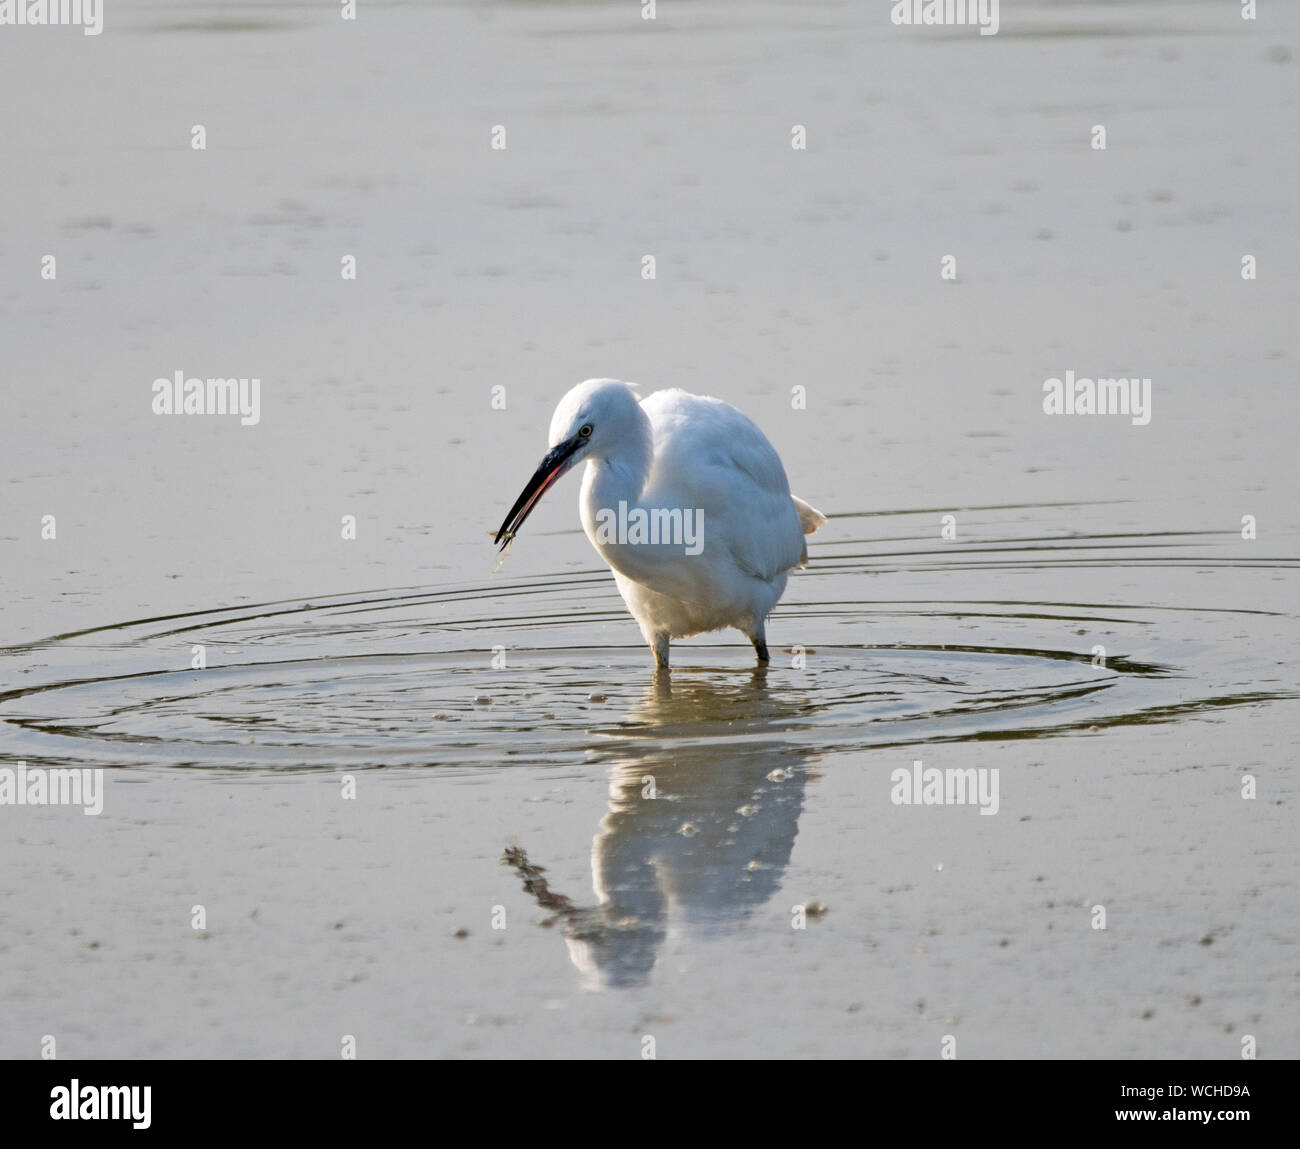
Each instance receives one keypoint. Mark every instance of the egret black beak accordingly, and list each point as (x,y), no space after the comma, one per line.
(557,461)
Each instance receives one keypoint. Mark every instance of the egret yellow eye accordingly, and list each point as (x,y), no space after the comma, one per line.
(585,430)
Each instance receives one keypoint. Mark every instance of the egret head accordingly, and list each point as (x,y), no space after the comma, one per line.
(588,422)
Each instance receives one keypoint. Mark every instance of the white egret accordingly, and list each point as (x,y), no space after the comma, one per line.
(685,499)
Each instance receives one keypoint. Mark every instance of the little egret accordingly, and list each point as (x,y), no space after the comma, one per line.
(685,499)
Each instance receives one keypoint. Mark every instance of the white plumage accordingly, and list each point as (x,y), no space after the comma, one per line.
(719,528)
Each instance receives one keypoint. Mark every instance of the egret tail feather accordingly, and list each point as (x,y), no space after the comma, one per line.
(810,518)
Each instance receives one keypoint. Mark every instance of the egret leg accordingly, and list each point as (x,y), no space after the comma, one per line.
(660,648)
(760,644)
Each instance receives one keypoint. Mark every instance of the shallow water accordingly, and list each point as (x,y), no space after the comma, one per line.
(1099,630)
(416,687)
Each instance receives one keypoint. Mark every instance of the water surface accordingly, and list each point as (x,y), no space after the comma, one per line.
(1099,629)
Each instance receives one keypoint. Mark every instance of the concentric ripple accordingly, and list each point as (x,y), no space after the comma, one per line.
(546,668)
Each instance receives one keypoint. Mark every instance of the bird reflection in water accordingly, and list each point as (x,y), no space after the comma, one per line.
(704,806)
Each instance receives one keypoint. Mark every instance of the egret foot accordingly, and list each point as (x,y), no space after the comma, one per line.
(660,648)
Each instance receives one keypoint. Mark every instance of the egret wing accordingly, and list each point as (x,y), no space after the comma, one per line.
(712,457)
